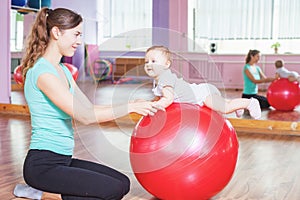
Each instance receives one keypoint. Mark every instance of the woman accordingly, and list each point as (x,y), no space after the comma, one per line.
(253,75)
(54,100)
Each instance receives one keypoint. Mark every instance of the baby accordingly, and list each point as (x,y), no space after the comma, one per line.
(282,72)
(169,88)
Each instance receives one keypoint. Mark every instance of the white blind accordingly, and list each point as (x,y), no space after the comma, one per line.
(123,16)
(234,19)
(288,19)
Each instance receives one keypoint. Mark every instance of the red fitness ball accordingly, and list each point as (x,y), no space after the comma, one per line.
(73,70)
(283,94)
(18,75)
(19,78)
(187,152)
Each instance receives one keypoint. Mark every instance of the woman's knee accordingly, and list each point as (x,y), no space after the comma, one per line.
(126,183)
(31,179)
(119,189)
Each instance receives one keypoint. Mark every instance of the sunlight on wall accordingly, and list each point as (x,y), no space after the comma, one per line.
(264,46)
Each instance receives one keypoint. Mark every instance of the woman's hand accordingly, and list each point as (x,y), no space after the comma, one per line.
(143,107)
(269,79)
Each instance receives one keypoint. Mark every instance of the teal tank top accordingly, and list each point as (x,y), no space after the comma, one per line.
(249,86)
(51,127)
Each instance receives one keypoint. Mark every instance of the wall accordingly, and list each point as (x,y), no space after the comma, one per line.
(225,70)
(222,70)
(88,12)
(169,24)
(5,80)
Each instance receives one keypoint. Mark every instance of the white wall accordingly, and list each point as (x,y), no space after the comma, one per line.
(88,10)
(5,82)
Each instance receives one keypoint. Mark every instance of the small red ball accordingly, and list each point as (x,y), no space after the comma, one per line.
(18,75)
(283,94)
(73,70)
(19,78)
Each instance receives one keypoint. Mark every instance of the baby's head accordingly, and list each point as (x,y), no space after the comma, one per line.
(279,64)
(157,60)
(159,54)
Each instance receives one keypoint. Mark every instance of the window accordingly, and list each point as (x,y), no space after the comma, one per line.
(238,25)
(16,31)
(125,25)
(234,19)
(288,19)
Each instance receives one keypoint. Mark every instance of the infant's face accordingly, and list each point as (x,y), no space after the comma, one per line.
(155,63)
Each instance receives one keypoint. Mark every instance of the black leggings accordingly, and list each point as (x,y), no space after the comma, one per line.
(263,101)
(72,178)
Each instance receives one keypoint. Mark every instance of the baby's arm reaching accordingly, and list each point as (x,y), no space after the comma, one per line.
(167,97)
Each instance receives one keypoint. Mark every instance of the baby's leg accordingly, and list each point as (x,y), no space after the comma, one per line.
(209,95)
(294,78)
(218,103)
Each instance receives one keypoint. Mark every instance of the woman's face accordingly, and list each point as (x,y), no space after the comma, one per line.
(155,63)
(69,40)
(255,58)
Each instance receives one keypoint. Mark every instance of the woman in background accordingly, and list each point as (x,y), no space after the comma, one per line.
(253,76)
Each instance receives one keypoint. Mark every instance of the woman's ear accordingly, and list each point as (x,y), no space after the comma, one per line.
(55,32)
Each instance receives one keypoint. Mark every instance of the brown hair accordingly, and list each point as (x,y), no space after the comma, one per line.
(39,36)
(278,63)
(164,50)
(250,54)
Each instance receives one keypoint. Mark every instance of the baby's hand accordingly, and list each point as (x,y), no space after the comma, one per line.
(158,106)
(144,107)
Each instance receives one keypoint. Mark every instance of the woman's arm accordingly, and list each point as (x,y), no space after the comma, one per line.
(79,106)
(263,78)
(269,79)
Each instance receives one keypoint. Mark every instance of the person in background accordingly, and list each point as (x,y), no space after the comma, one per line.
(253,76)
(54,101)
(282,72)
(169,88)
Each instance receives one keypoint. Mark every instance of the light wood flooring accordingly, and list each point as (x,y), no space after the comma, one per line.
(267,167)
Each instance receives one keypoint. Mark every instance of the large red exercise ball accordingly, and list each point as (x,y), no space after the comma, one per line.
(37,4)
(74,71)
(187,152)
(18,75)
(283,94)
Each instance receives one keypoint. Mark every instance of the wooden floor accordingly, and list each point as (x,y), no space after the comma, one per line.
(267,167)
